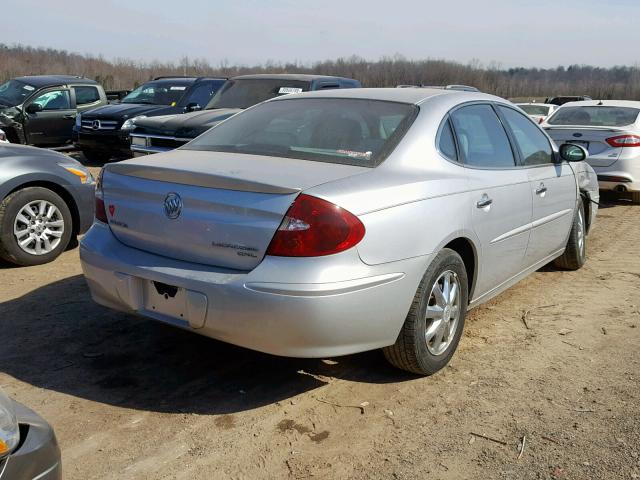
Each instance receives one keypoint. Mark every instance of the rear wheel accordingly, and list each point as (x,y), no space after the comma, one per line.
(35,226)
(94,156)
(432,329)
(575,254)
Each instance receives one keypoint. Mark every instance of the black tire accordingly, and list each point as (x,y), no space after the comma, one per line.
(9,209)
(94,156)
(411,351)
(575,254)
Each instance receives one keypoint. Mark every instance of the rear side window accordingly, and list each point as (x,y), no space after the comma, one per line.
(481,137)
(533,144)
(446,143)
(85,95)
(595,116)
(345,131)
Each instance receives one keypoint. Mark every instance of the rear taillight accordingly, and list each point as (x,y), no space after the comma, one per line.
(314,227)
(624,141)
(101,211)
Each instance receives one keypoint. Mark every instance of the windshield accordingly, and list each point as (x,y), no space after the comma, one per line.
(535,109)
(596,116)
(157,93)
(246,93)
(347,131)
(14,93)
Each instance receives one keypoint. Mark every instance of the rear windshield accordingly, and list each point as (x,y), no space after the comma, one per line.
(14,93)
(158,93)
(535,109)
(246,93)
(346,131)
(596,116)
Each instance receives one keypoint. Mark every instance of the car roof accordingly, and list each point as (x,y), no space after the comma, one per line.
(289,76)
(537,104)
(49,80)
(604,103)
(414,96)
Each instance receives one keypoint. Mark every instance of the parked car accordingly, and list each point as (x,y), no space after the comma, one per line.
(46,201)
(333,222)
(538,111)
(566,99)
(3,137)
(41,110)
(28,446)
(103,133)
(161,134)
(610,131)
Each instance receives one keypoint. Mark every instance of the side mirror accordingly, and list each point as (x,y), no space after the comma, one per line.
(573,153)
(193,107)
(34,108)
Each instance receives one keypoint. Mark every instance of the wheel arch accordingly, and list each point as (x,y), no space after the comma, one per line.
(464,247)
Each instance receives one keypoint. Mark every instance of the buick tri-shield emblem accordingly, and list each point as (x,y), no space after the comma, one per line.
(172,205)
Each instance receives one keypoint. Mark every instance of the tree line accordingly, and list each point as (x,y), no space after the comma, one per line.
(620,82)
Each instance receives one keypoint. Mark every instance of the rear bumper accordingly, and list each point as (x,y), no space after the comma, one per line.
(115,142)
(39,455)
(623,175)
(292,307)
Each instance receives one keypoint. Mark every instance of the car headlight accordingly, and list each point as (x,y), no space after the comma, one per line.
(130,124)
(78,120)
(79,171)
(9,430)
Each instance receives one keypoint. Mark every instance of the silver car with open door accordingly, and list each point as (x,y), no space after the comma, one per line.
(334,222)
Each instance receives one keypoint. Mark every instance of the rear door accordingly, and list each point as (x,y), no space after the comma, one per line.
(553,186)
(500,195)
(54,123)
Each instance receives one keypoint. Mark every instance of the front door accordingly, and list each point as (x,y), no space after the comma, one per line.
(52,125)
(500,195)
(553,187)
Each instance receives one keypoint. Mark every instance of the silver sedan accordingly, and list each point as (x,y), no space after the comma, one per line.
(335,222)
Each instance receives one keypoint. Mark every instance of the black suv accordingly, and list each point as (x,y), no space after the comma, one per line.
(41,109)
(152,135)
(103,133)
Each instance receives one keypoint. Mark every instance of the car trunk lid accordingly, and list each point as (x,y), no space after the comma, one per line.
(230,204)
(594,139)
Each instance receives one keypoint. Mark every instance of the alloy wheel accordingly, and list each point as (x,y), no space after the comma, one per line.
(38,227)
(443,313)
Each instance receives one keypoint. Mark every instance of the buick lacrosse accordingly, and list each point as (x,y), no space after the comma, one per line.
(334,222)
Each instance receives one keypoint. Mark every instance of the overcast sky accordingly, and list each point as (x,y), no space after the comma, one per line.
(542,33)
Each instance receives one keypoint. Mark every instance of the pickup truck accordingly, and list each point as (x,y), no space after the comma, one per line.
(41,109)
(163,133)
(103,133)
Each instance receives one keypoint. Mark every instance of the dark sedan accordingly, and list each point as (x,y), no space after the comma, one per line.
(46,200)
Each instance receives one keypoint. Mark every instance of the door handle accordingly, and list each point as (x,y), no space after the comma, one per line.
(485,201)
(70,116)
(541,190)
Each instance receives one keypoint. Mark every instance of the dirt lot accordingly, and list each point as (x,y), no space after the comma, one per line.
(134,399)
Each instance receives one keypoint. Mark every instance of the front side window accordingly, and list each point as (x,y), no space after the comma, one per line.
(346,131)
(53,100)
(86,95)
(157,93)
(595,116)
(244,93)
(481,137)
(201,93)
(533,144)
(14,93)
